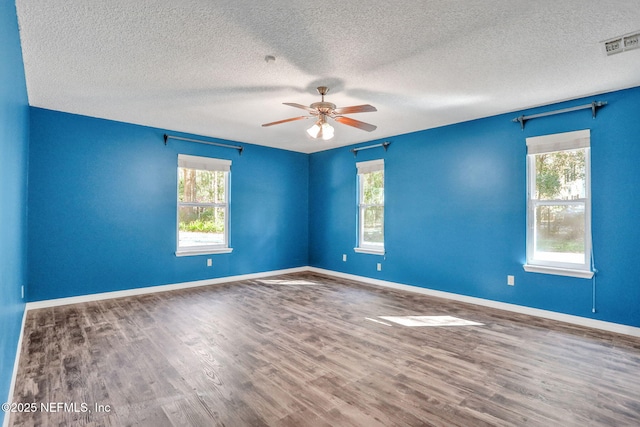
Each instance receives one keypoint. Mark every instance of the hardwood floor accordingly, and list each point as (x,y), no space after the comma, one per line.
(310,350)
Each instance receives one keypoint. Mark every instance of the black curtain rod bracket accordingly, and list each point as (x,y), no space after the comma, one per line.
(384,145)
(593,106)
(217,144)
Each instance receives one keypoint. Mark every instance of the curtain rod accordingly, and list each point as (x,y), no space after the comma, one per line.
(384,145)
(592,106)
(217,144)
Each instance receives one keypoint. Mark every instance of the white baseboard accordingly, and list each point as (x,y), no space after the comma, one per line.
(567,318)
(160,288)
(561,317)
(14,375)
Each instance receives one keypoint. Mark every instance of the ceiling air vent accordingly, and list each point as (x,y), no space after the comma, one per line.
(622,43)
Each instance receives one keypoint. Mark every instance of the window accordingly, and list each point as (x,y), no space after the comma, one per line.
(370,207)
(559,204)
(203,205)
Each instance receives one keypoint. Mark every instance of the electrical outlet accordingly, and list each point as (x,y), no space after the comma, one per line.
(379,267)
(344,257)
(209,262)
(511,280)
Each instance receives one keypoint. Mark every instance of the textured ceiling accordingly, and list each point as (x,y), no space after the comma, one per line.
(199,66)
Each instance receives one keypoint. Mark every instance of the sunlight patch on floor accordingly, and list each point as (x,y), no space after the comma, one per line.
(429,321)
(377,321)
(298,282)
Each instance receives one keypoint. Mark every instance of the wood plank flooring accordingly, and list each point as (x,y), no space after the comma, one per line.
(309,350)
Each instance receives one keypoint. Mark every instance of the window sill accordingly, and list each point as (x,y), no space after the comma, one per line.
(369,251)
(583,274)
(193,252)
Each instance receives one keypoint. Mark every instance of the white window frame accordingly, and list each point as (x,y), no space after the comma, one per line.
(548,144)
(209,164)
(362,246)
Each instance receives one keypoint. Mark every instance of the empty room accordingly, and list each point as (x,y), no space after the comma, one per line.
(279,213)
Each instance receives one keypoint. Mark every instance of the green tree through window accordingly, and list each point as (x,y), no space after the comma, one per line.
(371,206)
(559,206)
(203,207)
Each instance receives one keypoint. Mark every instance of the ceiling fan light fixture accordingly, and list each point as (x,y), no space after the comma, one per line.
(326,131)
(314,130)
(321,129)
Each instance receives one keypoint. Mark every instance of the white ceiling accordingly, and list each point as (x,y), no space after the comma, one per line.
(199,66)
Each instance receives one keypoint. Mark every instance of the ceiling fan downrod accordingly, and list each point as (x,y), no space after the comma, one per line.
(323,107)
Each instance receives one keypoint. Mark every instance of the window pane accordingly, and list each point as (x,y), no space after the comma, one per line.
(373,188)
(201,186)
(200,226)
(560,175)
(559,233)
(373,225)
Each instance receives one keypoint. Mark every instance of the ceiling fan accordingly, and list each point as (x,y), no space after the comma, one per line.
(323,110)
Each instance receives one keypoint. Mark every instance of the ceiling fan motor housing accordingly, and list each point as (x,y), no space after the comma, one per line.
(323,107)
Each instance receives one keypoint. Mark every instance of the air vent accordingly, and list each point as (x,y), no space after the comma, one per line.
(622,43)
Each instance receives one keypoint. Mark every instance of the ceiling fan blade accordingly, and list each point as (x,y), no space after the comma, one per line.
(366,108)
(355,123)
(285,121)
(304,107)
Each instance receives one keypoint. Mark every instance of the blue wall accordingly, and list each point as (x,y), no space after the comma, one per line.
(102,208)
(14,143)
(456,206)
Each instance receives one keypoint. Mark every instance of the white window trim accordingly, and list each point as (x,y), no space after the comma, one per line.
(203,163)
(546,144)
(362,168)
(583,274)
(210,164)
(209,251)
(369,250)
